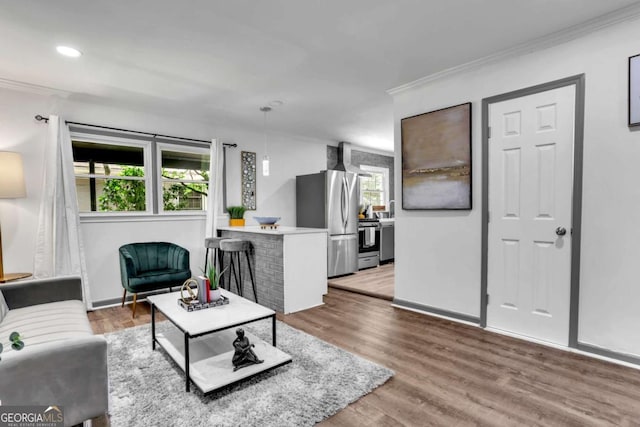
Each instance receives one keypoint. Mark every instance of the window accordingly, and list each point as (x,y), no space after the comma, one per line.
(111,177)
(117,175)
(184,178)
(374,189)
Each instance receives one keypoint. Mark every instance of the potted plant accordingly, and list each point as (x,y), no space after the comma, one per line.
(236,216)
(214,282)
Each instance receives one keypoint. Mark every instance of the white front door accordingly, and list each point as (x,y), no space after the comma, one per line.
(530,204)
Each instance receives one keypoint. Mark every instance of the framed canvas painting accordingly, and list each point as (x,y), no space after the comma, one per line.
(436,159)
(634,91)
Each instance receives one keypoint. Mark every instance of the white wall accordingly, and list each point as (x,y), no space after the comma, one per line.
(438,253)
(290,156)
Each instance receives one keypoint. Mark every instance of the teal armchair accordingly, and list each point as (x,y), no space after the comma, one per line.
(151,266)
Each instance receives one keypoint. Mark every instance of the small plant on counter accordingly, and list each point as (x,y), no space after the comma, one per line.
(236,212)
(236,215)
(16,342)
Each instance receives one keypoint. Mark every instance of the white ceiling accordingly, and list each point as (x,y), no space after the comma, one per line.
(330,61)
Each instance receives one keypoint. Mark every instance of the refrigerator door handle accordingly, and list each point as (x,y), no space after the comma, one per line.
(342,204)
(345,211)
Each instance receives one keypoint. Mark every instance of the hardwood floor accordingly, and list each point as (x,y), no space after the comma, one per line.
(377,282)
(451,374)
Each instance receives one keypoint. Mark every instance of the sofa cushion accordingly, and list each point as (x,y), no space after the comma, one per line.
(3,307)
(46,323)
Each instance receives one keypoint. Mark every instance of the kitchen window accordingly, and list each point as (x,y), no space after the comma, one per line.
(374,189)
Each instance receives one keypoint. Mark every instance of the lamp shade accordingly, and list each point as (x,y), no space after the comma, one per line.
(11,176)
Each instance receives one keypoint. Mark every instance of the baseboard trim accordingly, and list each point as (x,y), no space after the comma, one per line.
(129,299)
(588,348)
(437,311)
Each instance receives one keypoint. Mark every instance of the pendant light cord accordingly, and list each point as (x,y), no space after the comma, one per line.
(264,130)
(265,110)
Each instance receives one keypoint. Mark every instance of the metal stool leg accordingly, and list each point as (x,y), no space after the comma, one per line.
(206,260)
(253,283)
(234,267)
(240,281)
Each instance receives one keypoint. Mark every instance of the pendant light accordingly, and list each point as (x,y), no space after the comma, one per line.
(265,159)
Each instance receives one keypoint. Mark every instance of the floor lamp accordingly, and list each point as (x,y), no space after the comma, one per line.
(11,187)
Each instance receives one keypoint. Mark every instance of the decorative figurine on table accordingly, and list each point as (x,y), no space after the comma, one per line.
(244,355)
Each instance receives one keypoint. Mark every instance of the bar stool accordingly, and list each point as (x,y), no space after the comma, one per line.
(234,247)
(213,243)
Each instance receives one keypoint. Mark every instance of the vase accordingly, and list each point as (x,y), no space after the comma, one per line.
(236,222)
(215,294)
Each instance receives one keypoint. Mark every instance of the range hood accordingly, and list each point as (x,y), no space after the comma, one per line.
(344,160)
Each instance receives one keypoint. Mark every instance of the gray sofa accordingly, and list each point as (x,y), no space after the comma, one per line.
(62,363)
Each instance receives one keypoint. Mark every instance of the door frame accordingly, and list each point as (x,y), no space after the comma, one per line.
(576,214)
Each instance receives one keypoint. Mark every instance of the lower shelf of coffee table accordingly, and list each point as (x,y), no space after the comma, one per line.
(210,366)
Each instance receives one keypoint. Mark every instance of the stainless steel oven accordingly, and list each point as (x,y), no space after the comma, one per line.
(368,243)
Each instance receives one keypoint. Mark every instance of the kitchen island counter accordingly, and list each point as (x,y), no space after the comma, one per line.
(289,264)
(280,230)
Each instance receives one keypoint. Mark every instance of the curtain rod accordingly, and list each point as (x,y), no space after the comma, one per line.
(46,120)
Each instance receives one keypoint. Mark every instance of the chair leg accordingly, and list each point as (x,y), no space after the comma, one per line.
(253,282)
(124,296)
(135,298)
(206,261)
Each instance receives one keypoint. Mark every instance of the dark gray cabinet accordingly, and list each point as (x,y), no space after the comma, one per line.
(387,239)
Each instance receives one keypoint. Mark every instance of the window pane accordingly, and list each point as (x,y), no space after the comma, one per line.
(110,195)
(180,196)
(182,165)
(373,198)
(372,189)
(105,192)
(105,159)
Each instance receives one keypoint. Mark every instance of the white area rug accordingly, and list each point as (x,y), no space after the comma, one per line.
(147,387)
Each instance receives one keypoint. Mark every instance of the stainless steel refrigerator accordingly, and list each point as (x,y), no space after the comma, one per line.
(329,199)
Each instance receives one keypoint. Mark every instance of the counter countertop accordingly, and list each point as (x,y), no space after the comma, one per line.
(281,230)
(387,220)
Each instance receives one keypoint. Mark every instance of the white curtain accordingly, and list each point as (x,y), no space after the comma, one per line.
(59,248)
(214,200)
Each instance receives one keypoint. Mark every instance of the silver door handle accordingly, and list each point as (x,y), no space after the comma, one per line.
(561,231)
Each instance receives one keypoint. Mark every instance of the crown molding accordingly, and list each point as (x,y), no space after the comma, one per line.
(610,19)
(32,88)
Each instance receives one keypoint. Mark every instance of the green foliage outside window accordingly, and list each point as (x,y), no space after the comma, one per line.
(129,195)
(124,194)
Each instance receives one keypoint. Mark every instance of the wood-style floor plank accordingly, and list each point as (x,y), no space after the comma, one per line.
(377,282)
(452,374)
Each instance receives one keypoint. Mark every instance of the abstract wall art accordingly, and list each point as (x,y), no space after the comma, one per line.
(436,159)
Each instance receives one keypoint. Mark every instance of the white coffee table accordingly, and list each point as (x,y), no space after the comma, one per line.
(202,343)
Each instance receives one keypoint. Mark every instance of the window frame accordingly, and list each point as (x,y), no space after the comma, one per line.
(385,183)
(168,146)
(125,142)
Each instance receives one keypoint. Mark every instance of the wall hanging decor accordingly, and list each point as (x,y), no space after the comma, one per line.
(436,159)
(248,167)
(634,91)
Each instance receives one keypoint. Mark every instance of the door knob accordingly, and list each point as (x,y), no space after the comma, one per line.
(561,231)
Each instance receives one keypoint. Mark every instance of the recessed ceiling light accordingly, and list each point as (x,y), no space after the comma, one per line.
(68,51)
